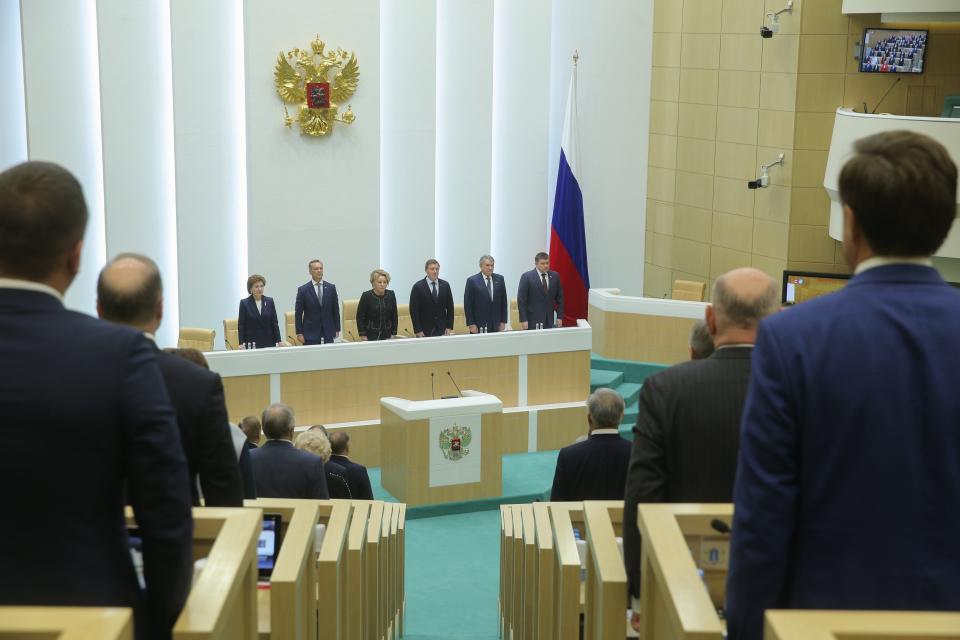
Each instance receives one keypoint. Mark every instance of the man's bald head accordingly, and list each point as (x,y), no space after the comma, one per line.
(741,299)
(130,291)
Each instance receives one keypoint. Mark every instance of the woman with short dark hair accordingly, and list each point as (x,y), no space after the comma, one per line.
(257,324)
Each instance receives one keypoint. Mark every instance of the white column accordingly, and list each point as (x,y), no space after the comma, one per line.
(464,104)
(408,39)
(521,108)
(60,65)
(138,157)
(210,137)
(13,108)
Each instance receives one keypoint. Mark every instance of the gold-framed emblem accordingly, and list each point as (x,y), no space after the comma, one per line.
(302,78)
(454,442)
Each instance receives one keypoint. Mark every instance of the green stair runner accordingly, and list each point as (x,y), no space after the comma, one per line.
(626,378)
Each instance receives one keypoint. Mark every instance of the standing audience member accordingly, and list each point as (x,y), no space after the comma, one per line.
(687,433)
(130,292)
(315,441)
(85,419)
(283,471)
(431,304)
(357,474)
(250,425)
(849,476)
(701,342)
(595,469)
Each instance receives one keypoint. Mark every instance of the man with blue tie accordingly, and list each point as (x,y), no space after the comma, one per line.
(317,311)
(485,300)
(540,296)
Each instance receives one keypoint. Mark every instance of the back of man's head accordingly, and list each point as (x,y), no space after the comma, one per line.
(741,299)
(902,189)
(339,443)
(250,425)
(605,407)
(130,291)
(42,217)
(701,342)
(278,422)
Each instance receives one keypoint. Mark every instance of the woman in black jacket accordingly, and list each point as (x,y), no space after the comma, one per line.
(377,309)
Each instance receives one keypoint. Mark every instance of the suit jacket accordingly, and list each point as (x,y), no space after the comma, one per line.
(197,397)
(337,482)
(357,476)
(283,471)
(537,306)
(479,309)
(376,316)
(261,326)
(83,412)
(595,469)
(314,321)
(432,318)
(849,478)
(685,440)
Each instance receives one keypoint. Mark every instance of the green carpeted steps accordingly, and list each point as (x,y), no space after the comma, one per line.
(626,378)
(604,378)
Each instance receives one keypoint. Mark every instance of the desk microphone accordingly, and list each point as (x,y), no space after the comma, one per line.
(720,526)
(886,94)
(455,384)
(407,333)
(433,392)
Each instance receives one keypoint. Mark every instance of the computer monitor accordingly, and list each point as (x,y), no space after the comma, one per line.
(799,286)
(268,545)
(893,50)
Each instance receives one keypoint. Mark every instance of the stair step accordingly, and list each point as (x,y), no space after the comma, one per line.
(604,378)
(629,391)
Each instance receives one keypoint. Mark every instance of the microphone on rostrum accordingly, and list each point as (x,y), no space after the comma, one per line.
(720,526)
(455,384)
(892,85)
(433,392)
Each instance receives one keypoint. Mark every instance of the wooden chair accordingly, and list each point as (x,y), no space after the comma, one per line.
(688,290)
(192,338)
(459,320)
(290,326)
(514,315)
(231,334)
(350,332)
(404,321)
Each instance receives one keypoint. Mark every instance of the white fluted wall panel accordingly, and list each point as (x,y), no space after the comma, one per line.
(312,197)
(138,156)
(13,114)
(408,38)
(210,137)
(464,105)
(521,108)
(60,62)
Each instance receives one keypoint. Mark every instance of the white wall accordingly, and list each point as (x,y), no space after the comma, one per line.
(13,113)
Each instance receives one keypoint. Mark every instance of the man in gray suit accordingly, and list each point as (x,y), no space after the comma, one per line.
(687,433)
(540,295)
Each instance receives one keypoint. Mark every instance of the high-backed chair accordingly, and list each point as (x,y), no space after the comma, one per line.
(459,320)
(514,315)
(688,290)
(291,328)
(404,321)
(231,334)
(350,332)
(192,338)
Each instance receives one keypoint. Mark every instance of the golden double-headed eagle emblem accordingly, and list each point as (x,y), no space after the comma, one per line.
(302,78)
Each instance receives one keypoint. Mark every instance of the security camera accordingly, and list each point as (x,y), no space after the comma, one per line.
(763,180)
(766,32)
(774,16)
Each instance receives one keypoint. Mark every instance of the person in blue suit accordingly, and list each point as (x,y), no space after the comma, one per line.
(257,323)
(317,310)
(281,470)
(85,421)
(849,472)
(485,300)
(540,296)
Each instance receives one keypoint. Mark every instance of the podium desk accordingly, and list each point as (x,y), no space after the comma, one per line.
(675,602)
(66,623)
(860,625)
(442,450)
(605,601)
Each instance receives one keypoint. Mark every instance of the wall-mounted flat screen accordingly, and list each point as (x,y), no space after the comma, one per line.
(893,50)
(799,286)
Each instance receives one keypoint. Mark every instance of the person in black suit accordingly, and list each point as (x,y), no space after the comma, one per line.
(257,323)
(540,296)
(84,421)
(250,425)
(485,300)
(701,342)
(314,440)
(316,312)
(688,430)
(357,474)
(431,304)
(281,470)
(130,292)
(595,469)
(377,309)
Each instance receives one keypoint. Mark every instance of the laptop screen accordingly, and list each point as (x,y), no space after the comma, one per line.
(268,545)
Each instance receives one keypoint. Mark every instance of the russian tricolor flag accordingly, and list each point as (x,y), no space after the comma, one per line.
(568,243)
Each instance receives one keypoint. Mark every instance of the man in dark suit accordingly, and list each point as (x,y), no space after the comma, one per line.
(130,292)
(316,313)
(687,431)
(357,474)
(485,300)
(250,425)
(540,296)
(84,420)
(849,476)
(595,469)
(431,304)
(282,470)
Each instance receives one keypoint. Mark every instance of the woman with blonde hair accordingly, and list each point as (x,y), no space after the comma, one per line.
(314,441)
(377,309)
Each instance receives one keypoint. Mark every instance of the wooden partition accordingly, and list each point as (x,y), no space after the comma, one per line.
(401,601)
(371,578)
(544,571)
(861,625)
(606,584)
(331,570)
(66,623)
(356,547)
(675,602)
(568,592)
(506,568)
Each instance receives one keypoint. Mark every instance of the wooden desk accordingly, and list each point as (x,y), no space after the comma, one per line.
(861,625)
(606,584)
(66,623)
